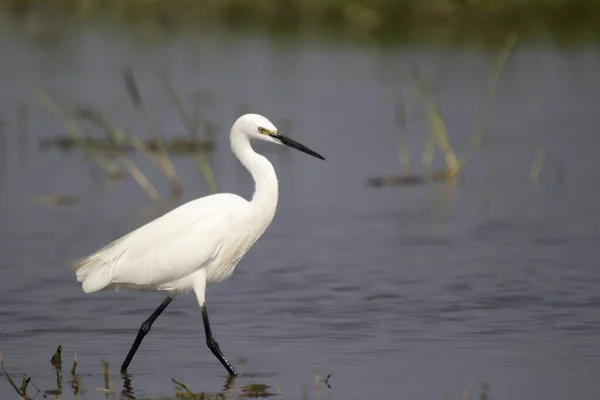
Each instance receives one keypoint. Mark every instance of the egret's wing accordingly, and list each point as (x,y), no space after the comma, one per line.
(167,252)
(164,250)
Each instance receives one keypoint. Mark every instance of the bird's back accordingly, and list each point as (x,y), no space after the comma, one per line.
(168,248)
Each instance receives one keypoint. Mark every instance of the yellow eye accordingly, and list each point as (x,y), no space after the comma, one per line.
(262,130)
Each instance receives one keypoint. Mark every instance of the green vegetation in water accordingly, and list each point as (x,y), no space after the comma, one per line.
(182,390)
(162,159)
(187,393)
(380,17)
(118,142)
(190,126)
(438,133)
(56,359)
(113,170)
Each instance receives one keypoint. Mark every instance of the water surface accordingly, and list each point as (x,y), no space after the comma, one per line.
(398,292)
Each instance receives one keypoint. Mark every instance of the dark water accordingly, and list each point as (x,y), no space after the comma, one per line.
(398,292)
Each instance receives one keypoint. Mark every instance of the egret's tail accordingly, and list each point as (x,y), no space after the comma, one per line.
(93,276)
(96,271)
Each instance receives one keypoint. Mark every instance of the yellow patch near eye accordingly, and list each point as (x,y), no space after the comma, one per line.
(264,131)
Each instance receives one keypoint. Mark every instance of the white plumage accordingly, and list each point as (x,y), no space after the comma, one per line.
(200,242)
(161,253)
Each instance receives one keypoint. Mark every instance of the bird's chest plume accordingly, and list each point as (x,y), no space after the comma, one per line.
(231,252)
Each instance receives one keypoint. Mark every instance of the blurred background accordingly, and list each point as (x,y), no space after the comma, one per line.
(446,249)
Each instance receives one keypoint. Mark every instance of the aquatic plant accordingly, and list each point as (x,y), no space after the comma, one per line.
(438,133)
(181,389)
(119,141)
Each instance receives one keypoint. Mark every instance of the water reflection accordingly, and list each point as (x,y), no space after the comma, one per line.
(230,389)
(80,386)
(127,391)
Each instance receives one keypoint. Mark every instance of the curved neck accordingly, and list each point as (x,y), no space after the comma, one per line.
(266,190)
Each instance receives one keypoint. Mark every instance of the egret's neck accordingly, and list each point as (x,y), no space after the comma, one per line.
(266,190)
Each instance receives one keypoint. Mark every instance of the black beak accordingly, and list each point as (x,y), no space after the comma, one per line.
(295,145)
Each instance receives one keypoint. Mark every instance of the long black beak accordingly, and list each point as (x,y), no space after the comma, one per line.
(295,145)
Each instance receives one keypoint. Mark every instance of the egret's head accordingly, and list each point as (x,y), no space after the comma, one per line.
(255,126)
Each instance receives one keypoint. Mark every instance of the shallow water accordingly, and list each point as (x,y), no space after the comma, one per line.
(398,292)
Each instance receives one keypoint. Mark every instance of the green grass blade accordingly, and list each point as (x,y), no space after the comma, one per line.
(187,122)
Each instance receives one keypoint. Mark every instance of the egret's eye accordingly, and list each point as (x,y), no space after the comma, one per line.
(262,130)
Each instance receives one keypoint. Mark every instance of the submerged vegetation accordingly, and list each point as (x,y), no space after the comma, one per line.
(383,18)
(28,390)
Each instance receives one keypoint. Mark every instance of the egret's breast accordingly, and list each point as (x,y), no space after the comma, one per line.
(231,252)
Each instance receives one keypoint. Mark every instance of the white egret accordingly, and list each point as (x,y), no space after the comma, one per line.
(196,244)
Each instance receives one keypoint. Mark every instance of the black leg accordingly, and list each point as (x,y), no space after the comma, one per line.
(213,345)
(144,329)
